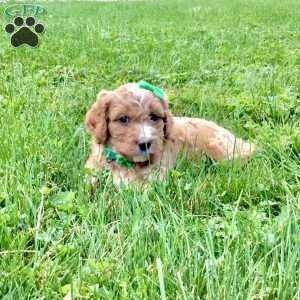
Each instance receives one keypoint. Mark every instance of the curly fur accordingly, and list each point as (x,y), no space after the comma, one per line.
(167,135)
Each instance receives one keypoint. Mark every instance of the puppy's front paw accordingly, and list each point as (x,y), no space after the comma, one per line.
(90,183)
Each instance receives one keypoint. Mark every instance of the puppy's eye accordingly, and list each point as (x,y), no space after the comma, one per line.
(124,119)
(154,117)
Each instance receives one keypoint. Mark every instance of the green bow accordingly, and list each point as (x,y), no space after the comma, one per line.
(152,88)
(111,155)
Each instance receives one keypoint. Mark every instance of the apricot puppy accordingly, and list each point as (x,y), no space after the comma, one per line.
(135,135)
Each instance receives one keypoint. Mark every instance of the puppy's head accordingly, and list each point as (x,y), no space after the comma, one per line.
(132,121)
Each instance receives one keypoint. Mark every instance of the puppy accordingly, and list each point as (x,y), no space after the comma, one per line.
(136,137)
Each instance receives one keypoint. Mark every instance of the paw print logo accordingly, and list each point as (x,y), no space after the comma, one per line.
(24,32)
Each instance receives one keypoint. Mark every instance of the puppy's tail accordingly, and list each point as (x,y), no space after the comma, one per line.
(201,136)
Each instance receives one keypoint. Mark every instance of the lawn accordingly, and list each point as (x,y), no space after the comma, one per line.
(212,230)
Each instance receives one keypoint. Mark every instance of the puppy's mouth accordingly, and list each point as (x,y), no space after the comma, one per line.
(143,164)
(143,161)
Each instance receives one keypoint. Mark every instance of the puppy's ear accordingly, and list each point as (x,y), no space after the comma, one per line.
(96,117)
(168,120)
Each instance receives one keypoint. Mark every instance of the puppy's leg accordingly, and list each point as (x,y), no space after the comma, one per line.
(93,165)
(198,136)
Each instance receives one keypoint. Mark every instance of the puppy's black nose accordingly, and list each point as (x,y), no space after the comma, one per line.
(145,146)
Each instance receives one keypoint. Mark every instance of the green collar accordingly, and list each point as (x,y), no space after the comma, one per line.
(152,88)
(112,155)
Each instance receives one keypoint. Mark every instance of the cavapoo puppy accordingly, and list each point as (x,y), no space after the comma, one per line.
(135,135)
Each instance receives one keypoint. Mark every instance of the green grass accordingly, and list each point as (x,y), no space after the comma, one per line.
(212,230)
